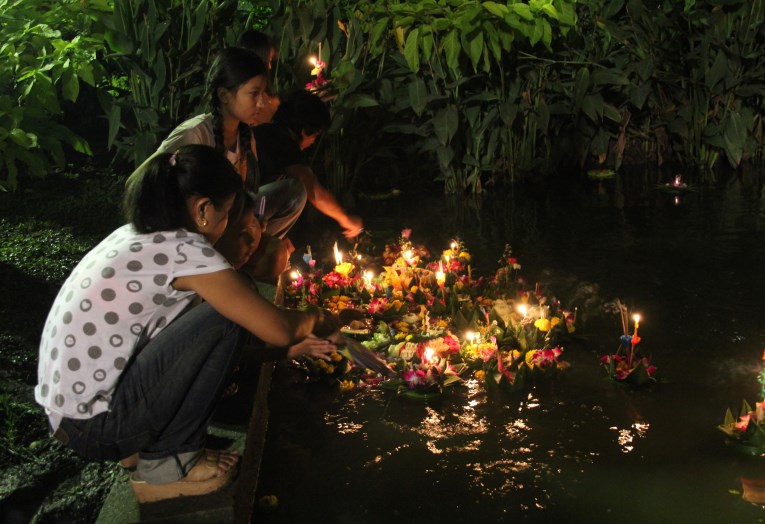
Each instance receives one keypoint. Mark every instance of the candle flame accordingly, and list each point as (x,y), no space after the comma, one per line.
(523,310)
(312,60)
(636,318)
(430,356)
(338,255)
(295,275)
(472,336)
(440,275)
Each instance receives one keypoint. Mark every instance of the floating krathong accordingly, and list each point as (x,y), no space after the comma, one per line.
(747,432)
(433,323)
(628,365)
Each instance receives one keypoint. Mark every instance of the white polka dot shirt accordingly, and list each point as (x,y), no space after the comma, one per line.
(119,292)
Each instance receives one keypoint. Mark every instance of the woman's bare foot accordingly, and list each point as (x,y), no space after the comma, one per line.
(211,473)
(214,463)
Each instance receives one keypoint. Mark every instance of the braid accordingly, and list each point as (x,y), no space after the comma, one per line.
(252,180)
(217,124)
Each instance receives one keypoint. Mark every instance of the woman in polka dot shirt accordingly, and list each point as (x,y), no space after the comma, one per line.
(125,366)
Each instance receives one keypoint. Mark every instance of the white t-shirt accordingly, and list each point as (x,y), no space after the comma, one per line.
(196,130)
(119,292)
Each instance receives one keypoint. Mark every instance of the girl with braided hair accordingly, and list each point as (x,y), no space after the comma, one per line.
(236,88)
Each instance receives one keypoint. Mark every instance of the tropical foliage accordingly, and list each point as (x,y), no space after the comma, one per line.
(467,92)
(491,90)
(47,50)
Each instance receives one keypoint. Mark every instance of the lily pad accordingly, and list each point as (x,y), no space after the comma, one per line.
(601,174)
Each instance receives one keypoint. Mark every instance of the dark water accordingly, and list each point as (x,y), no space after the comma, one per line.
(581,448)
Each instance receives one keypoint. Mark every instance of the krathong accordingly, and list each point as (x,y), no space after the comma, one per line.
(433,321)
(747,432)
(628,365)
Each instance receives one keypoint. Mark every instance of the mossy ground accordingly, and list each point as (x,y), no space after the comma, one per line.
(45,229)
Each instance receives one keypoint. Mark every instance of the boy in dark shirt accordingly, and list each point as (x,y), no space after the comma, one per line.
(298,122)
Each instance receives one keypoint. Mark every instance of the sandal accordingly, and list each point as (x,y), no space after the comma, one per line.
(187,486)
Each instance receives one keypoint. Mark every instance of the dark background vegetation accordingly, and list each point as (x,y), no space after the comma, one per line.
(461,95)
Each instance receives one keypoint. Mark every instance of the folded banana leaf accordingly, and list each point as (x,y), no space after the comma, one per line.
(363,357)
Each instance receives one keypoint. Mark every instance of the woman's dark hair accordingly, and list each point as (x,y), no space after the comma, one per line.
(233,67)
(158,202)
(303,111)
(257,42)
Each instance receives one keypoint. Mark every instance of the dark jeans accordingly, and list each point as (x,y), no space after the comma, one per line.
(285,200)
(166,396)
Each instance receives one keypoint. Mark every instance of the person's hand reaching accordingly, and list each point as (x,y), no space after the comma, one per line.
(312,346)
(352,226)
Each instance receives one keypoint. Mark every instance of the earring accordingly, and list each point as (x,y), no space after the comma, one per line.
(203,222)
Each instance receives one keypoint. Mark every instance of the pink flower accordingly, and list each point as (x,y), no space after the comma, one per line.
(743,422)
(377,305)
(415,378)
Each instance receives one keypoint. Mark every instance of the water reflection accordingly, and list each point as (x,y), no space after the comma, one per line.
(626,436)
(562,451)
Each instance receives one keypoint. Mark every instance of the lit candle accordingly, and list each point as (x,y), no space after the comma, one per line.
(430,356)
(440,275)
(368,276)
(342,267)
(441,280)
(523,310)
(636,318)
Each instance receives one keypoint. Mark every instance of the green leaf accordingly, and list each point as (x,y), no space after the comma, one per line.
(445,124)
(609,77)
(412,51)
(550,11)
(114,117)
(496,9)
(23,139)
(159,84)
(718,71)
(418,92)
(70,86)
(592,106)
(537,33)
(523,11)
(612,113)
(476,49)
(377,32)
(440,24)
(735,136)
(639,94)
(200,19)
(612,8)
(428,43)
(581,86)
(452,49)
(361,100)
(85,72)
